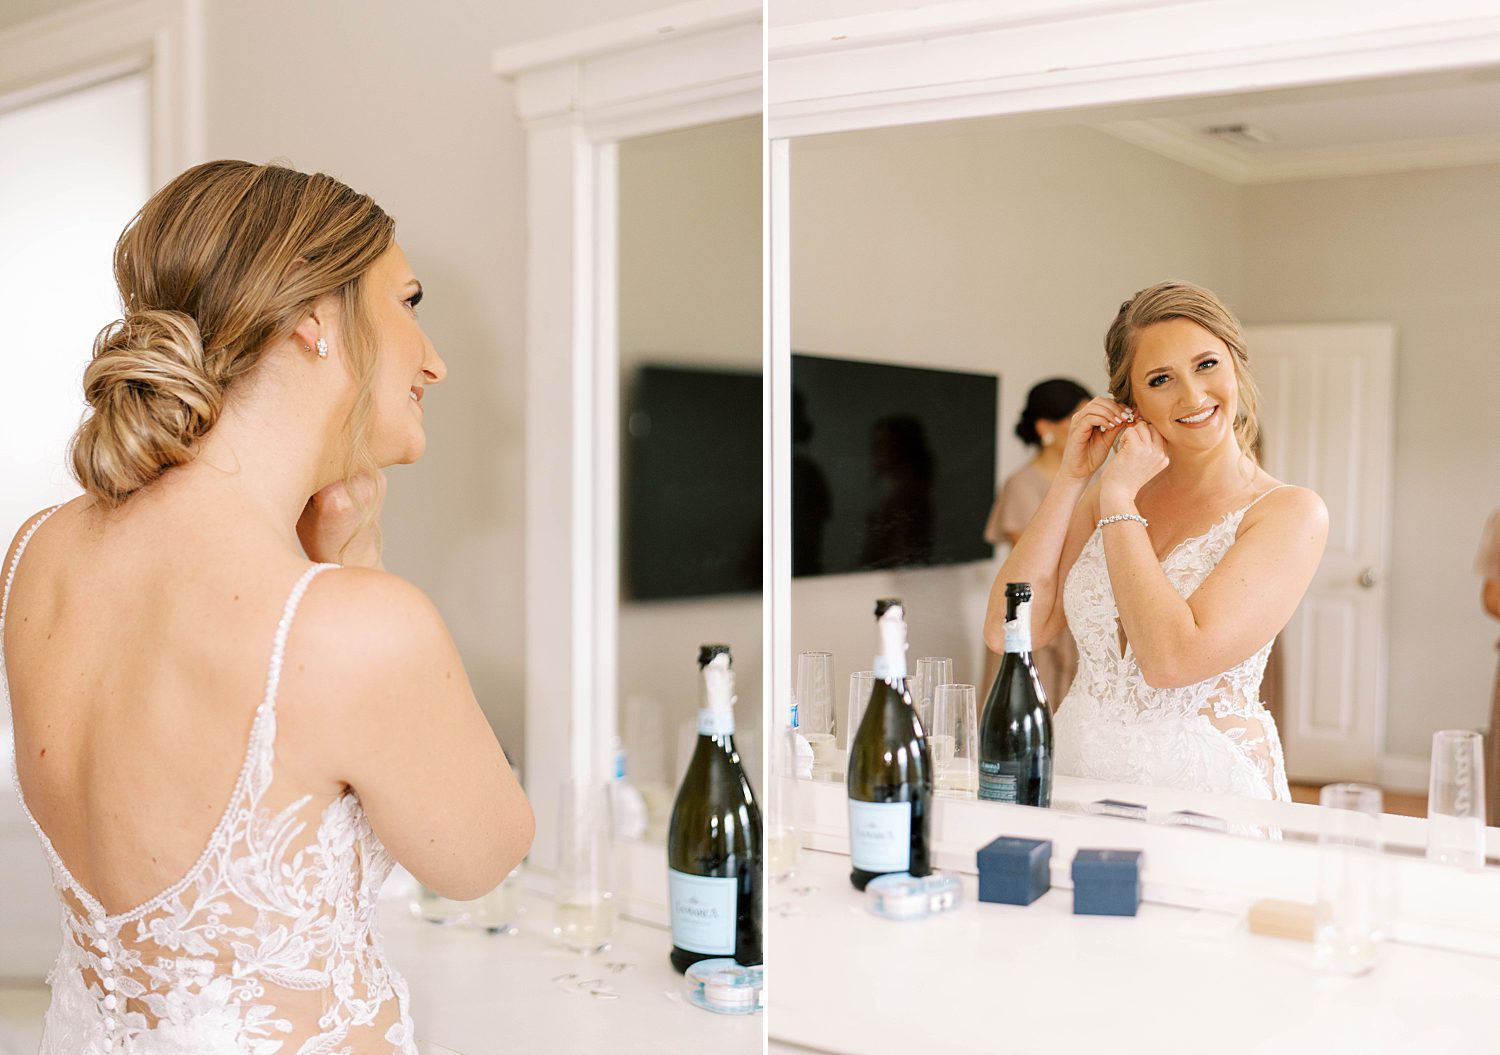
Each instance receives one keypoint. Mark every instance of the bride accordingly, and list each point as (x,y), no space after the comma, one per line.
(1176,568)
(229,719)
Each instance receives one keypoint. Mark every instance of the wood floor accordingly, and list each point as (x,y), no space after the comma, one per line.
(1403,803)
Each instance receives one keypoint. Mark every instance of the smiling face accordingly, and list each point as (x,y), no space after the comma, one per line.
(405,360)
(1183,382)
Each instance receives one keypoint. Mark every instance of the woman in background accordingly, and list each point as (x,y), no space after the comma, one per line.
(1044,423)
(228,718)
(1487,565)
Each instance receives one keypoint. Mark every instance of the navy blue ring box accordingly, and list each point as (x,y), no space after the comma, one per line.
(1015,871)
(1106,882)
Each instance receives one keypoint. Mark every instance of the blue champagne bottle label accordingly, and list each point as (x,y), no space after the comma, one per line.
(880,836)
(1001,781)
(702,912)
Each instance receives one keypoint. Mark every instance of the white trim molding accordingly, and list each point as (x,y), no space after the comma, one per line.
(940,61)
(93,42)
(577,96)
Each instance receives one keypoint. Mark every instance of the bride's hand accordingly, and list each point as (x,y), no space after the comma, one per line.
(333,527)
(1140,456)
(1091,435)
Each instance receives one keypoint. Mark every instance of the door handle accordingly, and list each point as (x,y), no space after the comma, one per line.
(1369,577)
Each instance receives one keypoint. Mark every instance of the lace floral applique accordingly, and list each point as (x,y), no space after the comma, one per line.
(1211,736)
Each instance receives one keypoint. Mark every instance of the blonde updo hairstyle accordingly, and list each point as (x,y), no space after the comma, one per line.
(220,265)
(1183,300)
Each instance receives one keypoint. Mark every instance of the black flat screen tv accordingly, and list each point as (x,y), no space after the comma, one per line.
(892,466)
(691,485)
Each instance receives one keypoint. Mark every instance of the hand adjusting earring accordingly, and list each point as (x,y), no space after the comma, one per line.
(322,348)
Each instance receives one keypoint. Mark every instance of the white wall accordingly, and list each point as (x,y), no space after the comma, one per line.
(399,102)
(1420,250)
(690,278)
(968,248)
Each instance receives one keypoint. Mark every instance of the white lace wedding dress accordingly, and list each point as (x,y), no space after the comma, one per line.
(267,946)
(1211,736)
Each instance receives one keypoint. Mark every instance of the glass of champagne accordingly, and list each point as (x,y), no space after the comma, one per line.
(1350,915)
(932,671)
(953,737)
(584,918)
(815,708)
(1455,799)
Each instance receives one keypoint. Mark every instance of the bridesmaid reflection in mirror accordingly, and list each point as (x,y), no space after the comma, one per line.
(1176,568)
(1044,424)
(1487,564)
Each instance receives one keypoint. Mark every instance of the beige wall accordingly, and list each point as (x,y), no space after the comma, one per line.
(690,280)
(1419,250)
(960,247)
(399,101)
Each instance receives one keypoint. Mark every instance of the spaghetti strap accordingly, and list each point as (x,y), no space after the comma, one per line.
(1263,494)
(10,573)
(283,628)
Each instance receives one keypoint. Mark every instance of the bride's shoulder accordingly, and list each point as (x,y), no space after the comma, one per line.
(366,647)
(1287,508)
(369,618)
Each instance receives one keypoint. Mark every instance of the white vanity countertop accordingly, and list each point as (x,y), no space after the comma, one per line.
(1005,979)
(483,994)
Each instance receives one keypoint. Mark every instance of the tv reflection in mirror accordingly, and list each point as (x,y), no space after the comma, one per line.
(892,466)
(691,487)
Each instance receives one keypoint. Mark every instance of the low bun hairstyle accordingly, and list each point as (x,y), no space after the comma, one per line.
(216,268)
(1183,300)
(1051,400)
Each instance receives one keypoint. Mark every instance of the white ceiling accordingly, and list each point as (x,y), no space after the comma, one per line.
(1359,128)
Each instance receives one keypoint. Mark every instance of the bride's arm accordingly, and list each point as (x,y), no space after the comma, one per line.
(1245,601)
(1059,529)
(386,708)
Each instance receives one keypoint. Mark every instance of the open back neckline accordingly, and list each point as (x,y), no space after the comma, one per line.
(264,713)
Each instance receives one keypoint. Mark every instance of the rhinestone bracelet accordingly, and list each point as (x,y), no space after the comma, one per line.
(1122,516)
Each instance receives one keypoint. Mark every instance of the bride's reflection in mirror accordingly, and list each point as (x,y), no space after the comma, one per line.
(1344,242)
(1176,568)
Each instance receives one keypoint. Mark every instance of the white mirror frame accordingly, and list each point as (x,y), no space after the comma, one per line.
(941,61)
(578,95)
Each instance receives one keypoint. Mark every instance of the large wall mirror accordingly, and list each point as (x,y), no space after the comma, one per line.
(941,269)
(690,443)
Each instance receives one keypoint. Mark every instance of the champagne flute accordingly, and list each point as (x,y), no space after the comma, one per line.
(932,671)
(954,739)
(1455,799)
(815,706)
(585,918)
(1351,881)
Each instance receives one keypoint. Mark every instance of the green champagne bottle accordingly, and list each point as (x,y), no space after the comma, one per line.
(1015,734)
(890,768)
(714,867)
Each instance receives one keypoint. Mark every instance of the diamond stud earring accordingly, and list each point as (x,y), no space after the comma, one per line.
(322,348)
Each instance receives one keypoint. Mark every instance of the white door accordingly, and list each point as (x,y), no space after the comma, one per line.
(1326,397)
